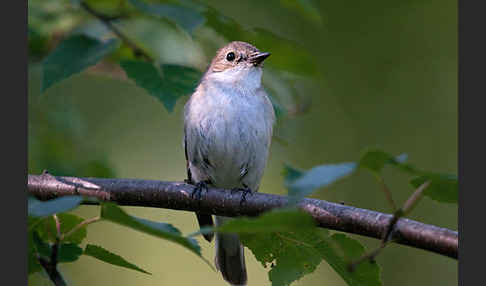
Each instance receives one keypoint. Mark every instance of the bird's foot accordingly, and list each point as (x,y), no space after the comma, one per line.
(245,191)
(199,187)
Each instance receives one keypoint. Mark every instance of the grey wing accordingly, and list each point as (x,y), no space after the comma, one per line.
(197,162)
(203,219)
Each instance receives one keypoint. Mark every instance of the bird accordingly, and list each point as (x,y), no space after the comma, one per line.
(228,125)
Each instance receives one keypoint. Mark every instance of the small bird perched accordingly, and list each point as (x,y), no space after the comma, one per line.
(228,124)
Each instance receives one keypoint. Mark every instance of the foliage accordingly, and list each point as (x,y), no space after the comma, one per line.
(289,241)
(73,55)
(104,255)
(63,37)
(442,188)
(167,83)
(113,213)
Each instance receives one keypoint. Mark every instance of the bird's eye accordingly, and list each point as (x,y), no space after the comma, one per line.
(230,56)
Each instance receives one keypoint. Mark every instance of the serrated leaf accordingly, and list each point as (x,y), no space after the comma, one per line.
(68,222)
(365,273)
(109,257)
(289,241)
(38,208)
(301,184)
(176,81)
(376,160)
(185,17)
(296,255)
(442,187)
(113,213)
(73,55)
(69,252)
(279,236)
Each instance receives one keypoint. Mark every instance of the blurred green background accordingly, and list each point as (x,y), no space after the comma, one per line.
(354,75)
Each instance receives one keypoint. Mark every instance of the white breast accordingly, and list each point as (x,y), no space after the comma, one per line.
(229,123)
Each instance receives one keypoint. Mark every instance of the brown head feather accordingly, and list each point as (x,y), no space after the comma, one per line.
(241,50)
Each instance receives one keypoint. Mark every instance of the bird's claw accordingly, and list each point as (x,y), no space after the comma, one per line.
(245,191)
(197,191)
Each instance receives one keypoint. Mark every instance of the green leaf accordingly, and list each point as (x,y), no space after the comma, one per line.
(113,213)
(365,273)
(109,257)
(442,188)
(69,252)
(294,254)
(272,221)
(376,160)
(286,54)
(37,208)
(33,222)
(32,262)
(185,17)
(306,8)
(281,236)
(289,241)
(175,82)
(68,221)
(73,55)
(291,174)
(301,184)
(37,42)
(41,247)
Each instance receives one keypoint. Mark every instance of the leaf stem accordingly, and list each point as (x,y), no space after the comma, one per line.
(80,225)
(388,234)
(387,192)
(58,226)
(414,198)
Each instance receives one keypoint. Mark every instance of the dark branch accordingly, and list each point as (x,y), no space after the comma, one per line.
(51,270)
(177,196)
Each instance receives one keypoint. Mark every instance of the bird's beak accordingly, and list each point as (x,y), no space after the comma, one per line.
(258,58)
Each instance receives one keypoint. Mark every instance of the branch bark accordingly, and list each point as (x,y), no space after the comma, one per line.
(177,196)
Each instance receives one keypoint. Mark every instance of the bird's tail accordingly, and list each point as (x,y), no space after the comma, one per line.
(230,258)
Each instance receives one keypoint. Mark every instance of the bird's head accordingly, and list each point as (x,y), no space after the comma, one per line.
(238,62)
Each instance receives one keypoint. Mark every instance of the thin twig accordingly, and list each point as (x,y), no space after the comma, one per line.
(387,192)
(106,20)
(388,234)
(52,272)
(58,226)
(414,198)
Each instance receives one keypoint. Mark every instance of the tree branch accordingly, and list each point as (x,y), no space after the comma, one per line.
(177,196)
